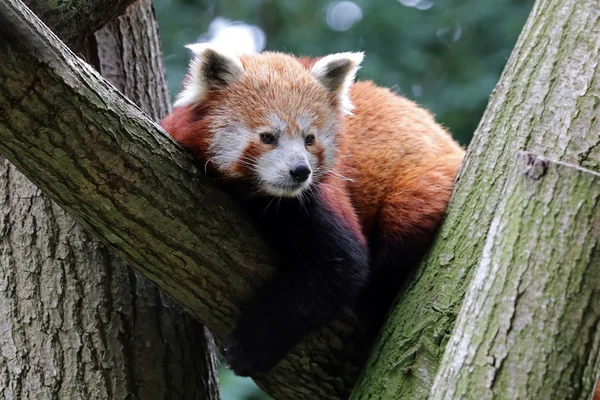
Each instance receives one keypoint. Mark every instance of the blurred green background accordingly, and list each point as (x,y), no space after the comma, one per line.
(445,55)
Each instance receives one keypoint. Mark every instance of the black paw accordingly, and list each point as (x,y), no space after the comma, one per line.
(250,354)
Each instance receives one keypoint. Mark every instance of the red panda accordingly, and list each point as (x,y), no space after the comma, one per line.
(348,181)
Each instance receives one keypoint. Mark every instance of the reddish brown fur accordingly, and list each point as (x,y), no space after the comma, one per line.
(308,62)
(250,153)
(288,80)
(187,126)
(400,163)
(335,192)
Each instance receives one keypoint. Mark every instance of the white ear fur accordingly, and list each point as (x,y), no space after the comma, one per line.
(337,72)
(209,68)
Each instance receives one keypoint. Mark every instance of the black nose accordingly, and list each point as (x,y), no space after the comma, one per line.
(300,172)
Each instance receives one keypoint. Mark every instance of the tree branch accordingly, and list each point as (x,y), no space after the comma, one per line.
(546,102)
(534,293)
(90,149)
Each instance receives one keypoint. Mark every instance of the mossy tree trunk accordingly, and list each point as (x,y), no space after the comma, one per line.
(529,325)
(546,102)
(77,323)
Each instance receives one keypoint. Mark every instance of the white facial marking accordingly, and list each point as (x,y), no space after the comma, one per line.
(277,124)
(305,123)
(274,167)
(228,145)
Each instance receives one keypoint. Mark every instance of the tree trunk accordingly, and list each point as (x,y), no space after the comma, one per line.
(77,324)
(534,293)
(546,102)
(75,20)
(130,57)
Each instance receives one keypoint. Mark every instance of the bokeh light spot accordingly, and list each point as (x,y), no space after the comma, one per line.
(341,15)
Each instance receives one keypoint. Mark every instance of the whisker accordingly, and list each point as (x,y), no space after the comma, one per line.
(261,214)
(206,164)
(335,173)
(302,199)
(255,192)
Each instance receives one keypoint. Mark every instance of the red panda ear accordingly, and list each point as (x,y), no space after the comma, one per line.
(336,72)
(210,68)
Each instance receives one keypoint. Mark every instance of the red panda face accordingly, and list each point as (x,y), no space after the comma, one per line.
(269,120)
(281,153)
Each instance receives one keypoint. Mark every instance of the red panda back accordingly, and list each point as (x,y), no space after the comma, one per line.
(401,163)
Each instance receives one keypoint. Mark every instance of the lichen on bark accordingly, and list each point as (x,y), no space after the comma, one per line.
(528,328)
(546,102)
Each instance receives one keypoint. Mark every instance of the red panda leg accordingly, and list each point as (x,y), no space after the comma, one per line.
(406,224)
(324,267)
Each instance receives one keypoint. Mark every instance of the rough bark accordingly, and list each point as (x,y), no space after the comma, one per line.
(130,57)
(128,183)
(74,323)
(77,324)
(75,20)
(534,293)
(546,102)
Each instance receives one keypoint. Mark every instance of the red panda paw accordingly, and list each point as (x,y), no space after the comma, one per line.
(254,347)
(251,355)
(244,359)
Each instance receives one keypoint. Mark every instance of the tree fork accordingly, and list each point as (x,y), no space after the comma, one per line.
(564,77)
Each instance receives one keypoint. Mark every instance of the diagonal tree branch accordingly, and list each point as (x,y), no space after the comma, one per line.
(114,307)
(97,155)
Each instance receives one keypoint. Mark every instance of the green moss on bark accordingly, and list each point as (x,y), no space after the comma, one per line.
(528,328)
(546,102)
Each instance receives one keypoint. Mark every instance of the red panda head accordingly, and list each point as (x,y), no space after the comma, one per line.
(268,119)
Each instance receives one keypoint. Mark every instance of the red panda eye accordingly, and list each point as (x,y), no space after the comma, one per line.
(268,138)
(309,140)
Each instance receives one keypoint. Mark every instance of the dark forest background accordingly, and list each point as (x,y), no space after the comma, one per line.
(445,55)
